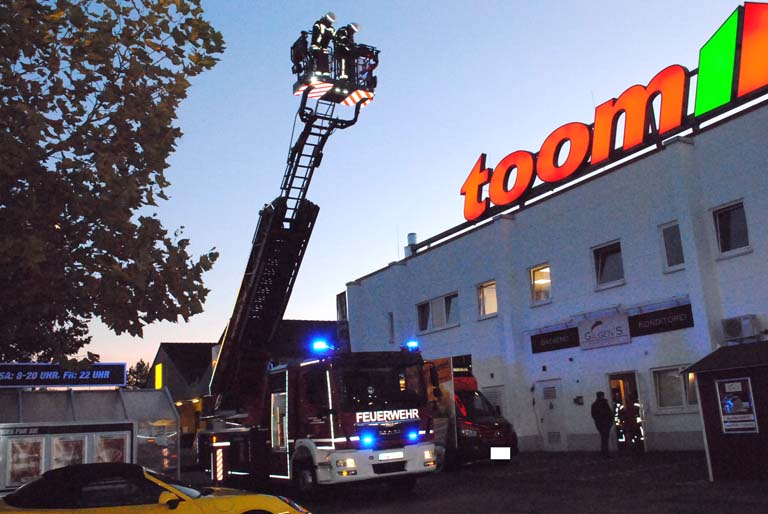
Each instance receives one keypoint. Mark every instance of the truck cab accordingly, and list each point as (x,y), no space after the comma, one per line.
(467,425)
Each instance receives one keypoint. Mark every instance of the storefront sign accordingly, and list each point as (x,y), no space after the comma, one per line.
(557,340)
(663,320)
(737,408)
(596,333)
(54,375)
(732,70)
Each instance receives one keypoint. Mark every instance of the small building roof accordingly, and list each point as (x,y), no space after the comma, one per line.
(104,405)
(747,355)
(192,360)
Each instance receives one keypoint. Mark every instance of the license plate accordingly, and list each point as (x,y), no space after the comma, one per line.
(390,455)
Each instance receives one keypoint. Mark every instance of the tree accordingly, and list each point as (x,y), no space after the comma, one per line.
(88,96)
(137,375)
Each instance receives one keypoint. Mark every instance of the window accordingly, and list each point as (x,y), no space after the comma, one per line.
(541,284)
(731,227)
(439,312)
(113,491)
(609,269)
(279,421)
(673,247)
(673,389)
(391,327)
(486,299)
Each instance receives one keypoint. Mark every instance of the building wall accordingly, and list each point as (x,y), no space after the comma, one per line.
(682,182)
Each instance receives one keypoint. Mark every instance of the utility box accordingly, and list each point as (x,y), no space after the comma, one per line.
(732,384)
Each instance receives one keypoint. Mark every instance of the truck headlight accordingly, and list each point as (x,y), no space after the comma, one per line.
(468,432)
(345,463)
(429,454)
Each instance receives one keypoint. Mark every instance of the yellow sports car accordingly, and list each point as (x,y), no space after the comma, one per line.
(129,488)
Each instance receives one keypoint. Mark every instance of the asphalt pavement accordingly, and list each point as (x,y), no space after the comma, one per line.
(557,483)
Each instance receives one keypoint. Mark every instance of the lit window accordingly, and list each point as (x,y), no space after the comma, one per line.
(609,269)
(486,299)
(673,247)
(731,227)
(439,312)
(541,284)
(674,390)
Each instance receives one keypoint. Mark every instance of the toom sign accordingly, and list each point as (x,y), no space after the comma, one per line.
(733,69)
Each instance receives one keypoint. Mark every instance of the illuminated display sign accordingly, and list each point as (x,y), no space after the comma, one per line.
(733,69)
(54,375)
(380,416)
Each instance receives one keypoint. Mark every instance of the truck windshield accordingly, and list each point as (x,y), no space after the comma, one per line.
(369,387)
(473,405)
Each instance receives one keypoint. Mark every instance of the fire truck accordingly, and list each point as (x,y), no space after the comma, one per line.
(334,419)
(467,426)
(337,417)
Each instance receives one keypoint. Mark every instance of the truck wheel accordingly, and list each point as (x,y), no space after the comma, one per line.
(403,484)
(305,479)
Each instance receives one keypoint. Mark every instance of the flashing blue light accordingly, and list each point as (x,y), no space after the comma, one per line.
(412,345)
(413,435)
(367,439)
(321,346)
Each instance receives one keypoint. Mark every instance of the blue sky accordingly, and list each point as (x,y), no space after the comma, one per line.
(456,78)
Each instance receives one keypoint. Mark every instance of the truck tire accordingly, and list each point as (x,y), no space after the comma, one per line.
(305,478)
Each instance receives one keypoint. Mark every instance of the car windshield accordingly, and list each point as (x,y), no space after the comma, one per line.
(182,487)
(393,387)
(473,405)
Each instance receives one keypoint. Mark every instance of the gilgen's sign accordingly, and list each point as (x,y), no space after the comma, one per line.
(380,416)
(733,69)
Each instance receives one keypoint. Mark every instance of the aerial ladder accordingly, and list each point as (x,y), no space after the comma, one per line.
(284,228)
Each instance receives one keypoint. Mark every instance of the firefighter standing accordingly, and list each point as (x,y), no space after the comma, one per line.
(603,418)
(322,34)
(344,51)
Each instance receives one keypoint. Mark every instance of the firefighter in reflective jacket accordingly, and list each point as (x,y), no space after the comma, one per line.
(322,34)
(344,51)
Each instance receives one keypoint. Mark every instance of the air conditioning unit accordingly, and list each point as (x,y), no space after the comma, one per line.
(741,327)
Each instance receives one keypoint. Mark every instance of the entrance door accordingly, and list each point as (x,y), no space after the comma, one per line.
(627,412)
(550,414)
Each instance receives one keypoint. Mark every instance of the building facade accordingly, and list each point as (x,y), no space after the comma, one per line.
(614,285)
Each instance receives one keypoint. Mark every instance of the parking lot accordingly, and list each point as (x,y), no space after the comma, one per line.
(540,483)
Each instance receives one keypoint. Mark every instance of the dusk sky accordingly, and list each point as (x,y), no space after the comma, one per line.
(456,78)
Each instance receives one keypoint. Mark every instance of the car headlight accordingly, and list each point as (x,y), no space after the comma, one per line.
(468,432)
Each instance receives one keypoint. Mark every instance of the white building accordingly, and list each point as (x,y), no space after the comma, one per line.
(684,225)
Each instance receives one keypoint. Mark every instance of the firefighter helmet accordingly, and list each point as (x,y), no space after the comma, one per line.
(331,16)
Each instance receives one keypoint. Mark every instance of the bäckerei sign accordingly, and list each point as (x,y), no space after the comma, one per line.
(733,69)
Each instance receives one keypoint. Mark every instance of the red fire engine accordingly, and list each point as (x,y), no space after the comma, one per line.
(335,419)
(338,417)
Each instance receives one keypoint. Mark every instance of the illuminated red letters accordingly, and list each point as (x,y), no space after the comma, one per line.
(671,83)
(522,162)
(474,206)
(579,137)
(588,146)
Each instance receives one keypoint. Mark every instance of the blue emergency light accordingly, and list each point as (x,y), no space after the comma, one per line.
(412,345)
(413,435)
(367,439)
(321,346)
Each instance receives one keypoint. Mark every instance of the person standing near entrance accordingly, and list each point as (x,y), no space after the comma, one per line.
(603,418)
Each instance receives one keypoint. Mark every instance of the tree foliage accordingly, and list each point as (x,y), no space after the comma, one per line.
(137,375)
(89,93)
